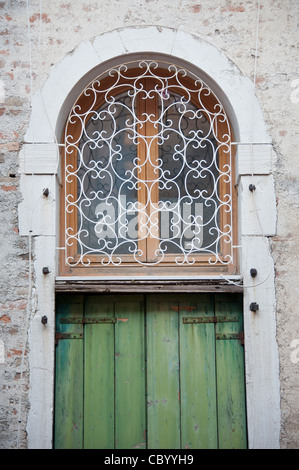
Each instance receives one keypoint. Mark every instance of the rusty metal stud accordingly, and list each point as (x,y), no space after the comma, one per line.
(44,320)
(46,270)
(254,307)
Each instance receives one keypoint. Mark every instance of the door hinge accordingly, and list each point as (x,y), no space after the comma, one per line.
(239,336)
(59,336)
(89,320)
(177,308)
(210,319)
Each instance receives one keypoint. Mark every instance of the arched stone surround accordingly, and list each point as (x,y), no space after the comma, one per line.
(39,215)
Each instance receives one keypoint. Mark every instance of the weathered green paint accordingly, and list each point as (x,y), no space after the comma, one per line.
(68,431)
(98,377)
(198,379)
(130,411)
(146,377)
(230,378)
(163,400)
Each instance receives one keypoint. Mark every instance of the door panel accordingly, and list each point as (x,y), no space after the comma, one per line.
(68,430)
(155,371)
(198,374)
(230,376)
(130,399)
(114,402)
(99,377)
(163,402)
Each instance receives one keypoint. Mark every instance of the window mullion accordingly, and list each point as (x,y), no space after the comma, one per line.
(152,171)
(141,178)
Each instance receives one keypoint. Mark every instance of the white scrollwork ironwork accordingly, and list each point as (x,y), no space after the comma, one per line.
(147,170)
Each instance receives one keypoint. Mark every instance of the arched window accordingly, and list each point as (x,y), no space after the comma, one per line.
(147,175)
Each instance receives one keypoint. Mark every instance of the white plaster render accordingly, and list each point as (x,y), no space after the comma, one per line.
(37,213)
(39,159)
(48,101)
(236,93)
(257,207)
(261,353)
(223,74)
(2,352)
(254,159)
(42,337)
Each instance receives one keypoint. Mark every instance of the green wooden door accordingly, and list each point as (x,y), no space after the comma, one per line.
(155,371)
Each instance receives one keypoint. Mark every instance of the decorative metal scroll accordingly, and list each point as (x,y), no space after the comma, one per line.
(147,170)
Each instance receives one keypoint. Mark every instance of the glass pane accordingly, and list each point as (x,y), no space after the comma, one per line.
(149,180)
(188,195)
(107,180)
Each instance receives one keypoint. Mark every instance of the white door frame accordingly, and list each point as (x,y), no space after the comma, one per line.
(39,214)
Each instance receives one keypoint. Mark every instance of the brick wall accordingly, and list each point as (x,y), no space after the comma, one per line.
(55,29)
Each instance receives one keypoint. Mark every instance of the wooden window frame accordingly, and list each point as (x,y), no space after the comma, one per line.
(202,265)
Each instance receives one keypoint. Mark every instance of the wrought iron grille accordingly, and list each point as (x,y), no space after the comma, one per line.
(147,172)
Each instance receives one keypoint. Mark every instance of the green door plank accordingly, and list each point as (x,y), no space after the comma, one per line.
(130,409)
(230,378)
(99,376)
(68,427)
(197,374)
(175,383)
(163,401)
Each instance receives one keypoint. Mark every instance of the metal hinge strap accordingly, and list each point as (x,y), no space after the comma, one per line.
(59,336)
(239,336)
(210,319)
(83,320)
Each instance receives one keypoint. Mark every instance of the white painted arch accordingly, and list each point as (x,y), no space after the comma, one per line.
(80,67)
(39,160)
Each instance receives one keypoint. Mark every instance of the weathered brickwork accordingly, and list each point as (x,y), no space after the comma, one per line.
(36,36)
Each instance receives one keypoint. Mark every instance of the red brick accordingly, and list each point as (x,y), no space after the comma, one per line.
(8,188)
(233,8)
(260,80)
(36,16)
(5,319)
(196,8)
(9,146)
(14,352)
